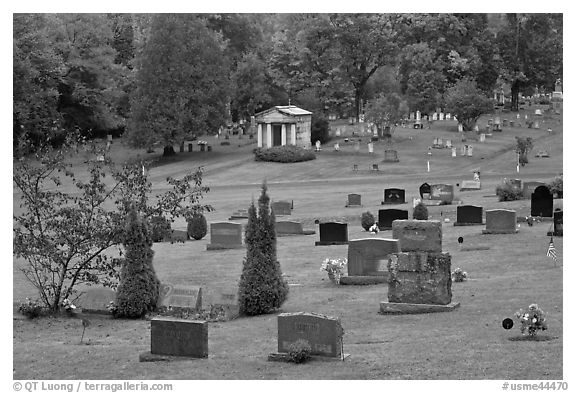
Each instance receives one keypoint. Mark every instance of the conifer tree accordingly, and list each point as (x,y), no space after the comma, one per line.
(262,288)
(139,287)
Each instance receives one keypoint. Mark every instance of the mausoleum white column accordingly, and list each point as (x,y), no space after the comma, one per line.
(259,134)
(293,133)
(268,134)
(283,134)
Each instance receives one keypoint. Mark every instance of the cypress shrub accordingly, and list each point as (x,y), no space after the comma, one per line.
(262,288)
(161,228)
(139,287)
(367,220)
(420,212)
(197,226)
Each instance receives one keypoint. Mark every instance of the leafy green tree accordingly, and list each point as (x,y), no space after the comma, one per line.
(523,147)
(181,83)
(66,221)
(465,101)
(251,86)
(385,111)
(262,288)
(139,286)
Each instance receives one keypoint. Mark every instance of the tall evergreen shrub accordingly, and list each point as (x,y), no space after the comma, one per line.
(139,287)
(262,288)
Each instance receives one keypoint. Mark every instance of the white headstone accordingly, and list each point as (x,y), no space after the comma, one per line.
(441,116)
(417,115)
(337,131)
(469,150)
(435,116)
(476,128)
(370,147)
(482,137)
(453,152)
(460,128)
(318,145)
(447,116)
(337,146)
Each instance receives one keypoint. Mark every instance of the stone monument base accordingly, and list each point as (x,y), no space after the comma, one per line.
(151,357)
(283,357)
(364,280)
(219,246)
(411,308)
(353,205)
(498,231)
(329,243)
(554,234)
(465,224)
(304,232)
(392,203)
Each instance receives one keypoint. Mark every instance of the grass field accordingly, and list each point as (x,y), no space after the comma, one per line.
(468,343)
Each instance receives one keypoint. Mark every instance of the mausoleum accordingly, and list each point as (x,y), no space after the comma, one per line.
(284,125)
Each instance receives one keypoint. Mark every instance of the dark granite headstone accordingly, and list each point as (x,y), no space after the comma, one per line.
(333,233)
(179,337)
(369,257)
(420,278)
(354,200)
(323,333)
(394,196)
(282,208)
(418,235)
(468,215)
(558,224)
(425,189)
(386,216)
(189,297)
(225,235)
(542,202)
(500,221)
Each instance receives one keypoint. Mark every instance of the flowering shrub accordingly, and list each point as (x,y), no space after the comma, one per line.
(374,228)
(30,308)
(459,275)
(299,351)
(532,320)
(335,268)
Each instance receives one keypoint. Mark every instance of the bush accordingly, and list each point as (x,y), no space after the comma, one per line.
(161,228)
(225,143)
(299,351)
(139,287)
(507,192)
(319,130)
(420,212)
(197,226)
(284,154)
(556,186)
(262,288)
(367,220)
(31,308)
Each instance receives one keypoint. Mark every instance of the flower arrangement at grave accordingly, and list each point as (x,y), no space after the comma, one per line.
(459,275)
(335,268)
(532,320)
(374,229)
(68,306)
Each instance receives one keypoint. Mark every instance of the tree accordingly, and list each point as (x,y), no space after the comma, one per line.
(139,286)
(385,111)
(65,224)
(523,147)
(251,86)
(262,288)
(181,83)
(465,101)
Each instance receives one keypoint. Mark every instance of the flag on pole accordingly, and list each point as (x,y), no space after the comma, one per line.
(552,250)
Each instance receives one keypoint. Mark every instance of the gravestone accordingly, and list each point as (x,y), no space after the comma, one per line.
(482,137)
(354,200)
(387,216)
(441,116)
(323,333)
(391,156)
(95,300)
(177,296)
(420,278)
(418,235)
(179,337)
(333,233)
(453,152)
(425,189)
(284,228)
(370,148)
(227,301)
(470,185)
(281,208)
(442,192)
(225,235)
(542,202)
(558,224)
(463,150)
(369,257)
(469,150)
(528,187)
(239,214)
(500,221)
(468,215)
(448,143)
(394,196)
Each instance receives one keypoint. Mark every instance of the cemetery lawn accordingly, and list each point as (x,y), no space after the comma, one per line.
(468,343)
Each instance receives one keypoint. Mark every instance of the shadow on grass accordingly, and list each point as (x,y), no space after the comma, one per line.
(533,338)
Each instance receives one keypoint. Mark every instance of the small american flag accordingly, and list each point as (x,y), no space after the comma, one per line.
(552,250)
